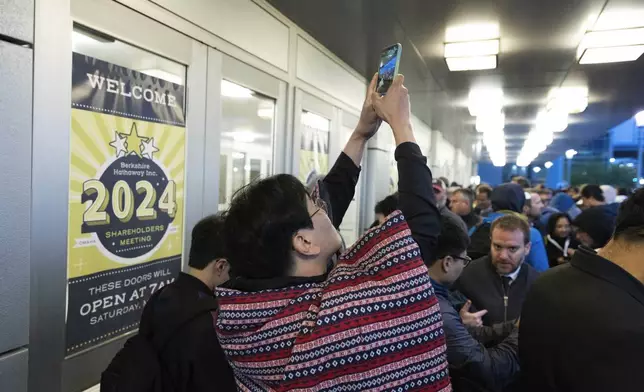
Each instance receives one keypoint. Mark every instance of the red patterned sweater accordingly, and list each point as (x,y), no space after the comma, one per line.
(373,324)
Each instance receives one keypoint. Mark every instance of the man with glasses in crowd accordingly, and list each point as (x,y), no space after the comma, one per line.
(479,357)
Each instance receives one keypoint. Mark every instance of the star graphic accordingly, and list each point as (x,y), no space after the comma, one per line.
(119,144)
(134,141)
(149,148)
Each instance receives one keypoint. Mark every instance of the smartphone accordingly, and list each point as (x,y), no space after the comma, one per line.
(388,69)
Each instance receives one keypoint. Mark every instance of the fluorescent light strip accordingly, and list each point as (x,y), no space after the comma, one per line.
(471,63)
(611,38)
(612,55)
(472,32)
(620,19)
(470,49)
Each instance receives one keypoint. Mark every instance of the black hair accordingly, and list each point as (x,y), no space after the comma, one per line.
(630,220)
(621,191)
(554,218)
(387,205)
(452,241)
(260,225)
(593,191)
(468,194)
(208,243)
(512,222)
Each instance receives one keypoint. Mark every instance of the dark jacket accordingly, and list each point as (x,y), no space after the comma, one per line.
(471,363)
(582,329)
(483,286)
(554,253)
(193,358)
(471,220)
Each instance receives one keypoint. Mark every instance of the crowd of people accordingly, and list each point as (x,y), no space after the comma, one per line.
(506,288)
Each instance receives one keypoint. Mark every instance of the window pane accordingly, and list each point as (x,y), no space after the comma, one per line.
(255,169)
(314,147)
(247,133)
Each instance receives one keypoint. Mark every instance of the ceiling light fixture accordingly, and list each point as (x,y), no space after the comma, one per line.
(610,38)
(616,37)
(612,160)
(494,140)
(571,153)
(472,48)
(639,119)
(485,100)
(471,63)
(472,32)
(232,90)
(615,54)
(619,19)
(548,165)
(555,120)
(570,99)
(536,169)
(490,122)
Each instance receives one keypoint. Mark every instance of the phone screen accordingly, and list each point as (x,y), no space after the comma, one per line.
(389,61)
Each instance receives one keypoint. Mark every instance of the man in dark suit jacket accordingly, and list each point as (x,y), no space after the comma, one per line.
(499,282)
(582,327)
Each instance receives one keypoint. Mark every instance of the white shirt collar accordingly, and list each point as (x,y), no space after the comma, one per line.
(513,276)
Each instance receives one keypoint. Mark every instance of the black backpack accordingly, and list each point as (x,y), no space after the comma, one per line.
(137,367)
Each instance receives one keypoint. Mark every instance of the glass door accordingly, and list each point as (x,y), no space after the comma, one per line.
(252,123)
(315,126)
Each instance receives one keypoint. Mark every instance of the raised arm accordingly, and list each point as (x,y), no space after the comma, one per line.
(416,196)
(339,184)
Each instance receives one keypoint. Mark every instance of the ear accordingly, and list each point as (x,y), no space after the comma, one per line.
(446,263)
(304,245)
(221,266)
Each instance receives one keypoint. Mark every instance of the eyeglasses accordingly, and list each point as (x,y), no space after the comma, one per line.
(320,205)
(465,259)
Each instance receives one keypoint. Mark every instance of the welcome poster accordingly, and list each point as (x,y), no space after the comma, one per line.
(126,194)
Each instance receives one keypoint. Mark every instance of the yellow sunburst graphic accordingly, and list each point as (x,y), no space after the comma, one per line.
(97,140)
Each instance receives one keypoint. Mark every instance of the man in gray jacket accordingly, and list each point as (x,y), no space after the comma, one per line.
(441,202)
(480,358)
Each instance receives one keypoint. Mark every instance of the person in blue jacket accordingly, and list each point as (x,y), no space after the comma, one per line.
(509,199)
(561,202)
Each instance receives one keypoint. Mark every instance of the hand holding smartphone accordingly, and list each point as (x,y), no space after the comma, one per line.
(388,69)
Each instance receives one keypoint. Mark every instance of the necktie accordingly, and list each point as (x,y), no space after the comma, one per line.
(506,280)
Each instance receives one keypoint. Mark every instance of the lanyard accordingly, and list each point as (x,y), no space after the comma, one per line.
(564,250)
